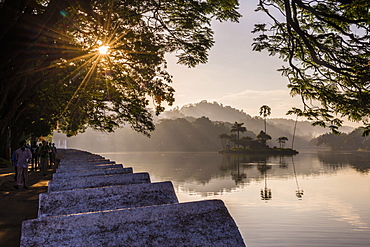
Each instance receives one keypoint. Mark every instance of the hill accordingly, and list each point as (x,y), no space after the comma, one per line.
(194,127)
(275,126)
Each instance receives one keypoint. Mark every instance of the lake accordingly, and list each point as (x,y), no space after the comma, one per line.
(310,199)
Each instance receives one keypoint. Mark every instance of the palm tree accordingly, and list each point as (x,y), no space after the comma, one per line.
(265,111)
(238,127)
(281,140)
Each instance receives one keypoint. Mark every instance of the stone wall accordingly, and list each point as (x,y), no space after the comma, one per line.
(92,201)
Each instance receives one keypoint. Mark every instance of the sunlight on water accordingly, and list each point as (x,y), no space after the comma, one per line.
(332,210)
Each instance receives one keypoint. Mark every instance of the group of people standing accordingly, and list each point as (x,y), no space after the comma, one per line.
(40,156)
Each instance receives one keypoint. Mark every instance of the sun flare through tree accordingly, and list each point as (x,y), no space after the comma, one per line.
(97,63)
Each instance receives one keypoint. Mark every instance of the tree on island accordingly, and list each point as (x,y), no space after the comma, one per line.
(225,140)
(245,141)
(238,127)
(265,111)
(326,47)
(251,145)
(281,140)
(263,137)
(78,64)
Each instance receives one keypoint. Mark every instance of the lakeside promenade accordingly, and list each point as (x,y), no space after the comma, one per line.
(19,205)
(104,204)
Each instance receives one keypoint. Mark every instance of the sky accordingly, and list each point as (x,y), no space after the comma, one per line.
(235,75)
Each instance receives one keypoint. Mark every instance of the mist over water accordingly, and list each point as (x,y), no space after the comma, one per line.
(333,210)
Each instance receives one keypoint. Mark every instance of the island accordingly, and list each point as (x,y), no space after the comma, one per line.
(264,150)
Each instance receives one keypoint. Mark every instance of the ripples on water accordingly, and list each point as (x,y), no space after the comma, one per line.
(311,199)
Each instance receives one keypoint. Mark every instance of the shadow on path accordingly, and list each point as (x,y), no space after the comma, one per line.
(19,205)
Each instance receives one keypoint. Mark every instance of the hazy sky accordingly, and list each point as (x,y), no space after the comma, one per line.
(235,75)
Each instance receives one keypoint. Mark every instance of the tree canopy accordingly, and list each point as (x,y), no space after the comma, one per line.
(351,141)
(238,127)
(265,111)
(52,68)
(326,47)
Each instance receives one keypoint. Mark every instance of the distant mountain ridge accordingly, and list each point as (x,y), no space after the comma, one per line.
(196,127)
(217,112)
(214,111)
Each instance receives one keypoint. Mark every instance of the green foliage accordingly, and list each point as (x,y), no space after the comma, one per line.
(326,47)
(51,66)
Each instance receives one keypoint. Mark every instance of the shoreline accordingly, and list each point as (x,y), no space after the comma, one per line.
(264,151)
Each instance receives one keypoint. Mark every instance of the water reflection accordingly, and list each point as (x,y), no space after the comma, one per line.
(266,194)
(360,161)
(264,163)
(334,210)
(299,191)
(232,162)
(206,168)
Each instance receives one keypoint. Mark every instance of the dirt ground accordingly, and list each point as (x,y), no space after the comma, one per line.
(18,205)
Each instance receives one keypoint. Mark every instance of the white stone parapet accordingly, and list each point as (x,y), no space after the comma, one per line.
(201,223)
(92,201)
(81,167)
(106,198)
(92,172)
(98,181)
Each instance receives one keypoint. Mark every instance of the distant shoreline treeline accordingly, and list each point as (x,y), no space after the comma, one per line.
(187,135)
(197,127)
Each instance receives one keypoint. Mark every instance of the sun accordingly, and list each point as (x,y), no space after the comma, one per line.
(103,49)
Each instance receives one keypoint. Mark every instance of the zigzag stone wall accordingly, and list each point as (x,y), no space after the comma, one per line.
(101,208)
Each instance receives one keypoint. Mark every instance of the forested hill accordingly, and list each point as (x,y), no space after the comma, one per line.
(194,127)
(217,112)
(214,111)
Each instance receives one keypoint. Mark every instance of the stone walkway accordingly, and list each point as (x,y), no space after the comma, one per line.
(91,201)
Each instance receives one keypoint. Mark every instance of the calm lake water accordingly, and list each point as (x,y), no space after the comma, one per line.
(310,199)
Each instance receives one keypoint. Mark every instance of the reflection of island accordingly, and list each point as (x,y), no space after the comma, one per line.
(219,173)
(237,175)
(266,193)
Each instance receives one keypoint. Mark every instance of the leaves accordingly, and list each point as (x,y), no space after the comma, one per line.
(326,47)
(58,64)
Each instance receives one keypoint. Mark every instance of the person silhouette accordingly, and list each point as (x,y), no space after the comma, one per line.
(22,156)
(44,151)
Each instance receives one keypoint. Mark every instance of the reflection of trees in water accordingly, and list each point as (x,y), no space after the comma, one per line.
(299,191)
(238,163)
(360,161)
(263,168)
(263,164)
(232,162)
(282,162)
(237,175)
(266,193)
